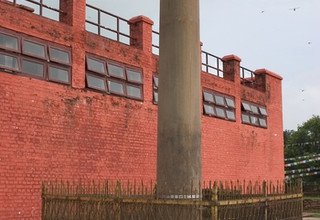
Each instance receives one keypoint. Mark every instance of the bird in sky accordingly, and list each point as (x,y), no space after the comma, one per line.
(262,11)
(294,9)
(302,90)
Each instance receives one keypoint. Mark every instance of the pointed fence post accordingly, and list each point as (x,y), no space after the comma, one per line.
(301,191)
(265,192)
(214,206)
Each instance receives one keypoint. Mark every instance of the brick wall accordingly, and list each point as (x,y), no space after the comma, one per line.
(51,131)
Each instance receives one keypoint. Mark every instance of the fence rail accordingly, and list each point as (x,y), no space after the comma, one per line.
(107,25)
(132,200)
(247,76)
(212,64)
(39,7)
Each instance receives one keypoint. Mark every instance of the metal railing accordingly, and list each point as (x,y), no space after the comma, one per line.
(131,200)
(155,42)
(247,76)
(41,8)
(107,25)
(212,64)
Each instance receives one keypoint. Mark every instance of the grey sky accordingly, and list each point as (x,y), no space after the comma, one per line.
(280,35)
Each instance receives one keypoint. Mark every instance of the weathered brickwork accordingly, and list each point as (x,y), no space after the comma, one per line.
(52,131)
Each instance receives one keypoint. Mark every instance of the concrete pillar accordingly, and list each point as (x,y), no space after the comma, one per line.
(179,111)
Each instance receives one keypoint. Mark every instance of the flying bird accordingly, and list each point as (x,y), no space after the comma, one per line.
(294,9)
(262,11)
(309,42)
(302,90)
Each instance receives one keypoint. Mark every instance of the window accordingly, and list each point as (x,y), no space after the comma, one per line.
(230,115)
(33,68)
(254,114)
(245,118)
(114,78)
(220,112)
(116,87)
(208,97)
(155,82)
(9,62)
(9,42)
(116,71)
(134,91)
(34,49)
(219,100)
(134,76)
(59,56)
(34,57)
(96,82)
(218,105)
(59,74)
(230,102)
(96,65)
(209,110)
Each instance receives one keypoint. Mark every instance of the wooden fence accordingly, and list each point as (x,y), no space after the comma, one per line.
(131,200)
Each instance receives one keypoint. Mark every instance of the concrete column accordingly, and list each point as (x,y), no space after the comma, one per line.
(179,111)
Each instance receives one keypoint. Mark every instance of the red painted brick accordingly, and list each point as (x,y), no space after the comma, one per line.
(51,131)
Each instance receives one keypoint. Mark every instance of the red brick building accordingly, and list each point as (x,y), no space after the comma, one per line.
(76,105)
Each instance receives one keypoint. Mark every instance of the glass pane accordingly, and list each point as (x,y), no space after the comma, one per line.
(156,81)
(9,62)
(219,100)
(96,82)
(246,106)
(59,56)
(254,109)
(134,91)
(34,49)
(33,68)
(220,112)
(245,118)
(97,66)
(208,109)
(59,75)
(263,111)
(134,76)
(208,97)
(230,102)
(9,42)
(116,71)
(254,120)
(230,115)
(155,97)
(115,87)
(263,122)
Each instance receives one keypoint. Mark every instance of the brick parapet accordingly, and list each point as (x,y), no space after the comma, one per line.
(141,33)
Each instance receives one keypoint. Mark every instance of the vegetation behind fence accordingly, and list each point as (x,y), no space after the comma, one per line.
(137,200)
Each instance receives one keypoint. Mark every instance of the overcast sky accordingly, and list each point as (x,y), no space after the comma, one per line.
(280,35)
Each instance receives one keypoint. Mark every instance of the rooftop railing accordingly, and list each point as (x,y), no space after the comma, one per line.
(247,76)
(155,42)
(212,64)
(107,25)
(45,8)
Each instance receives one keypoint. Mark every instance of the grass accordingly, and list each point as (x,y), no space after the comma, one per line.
(311,197)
